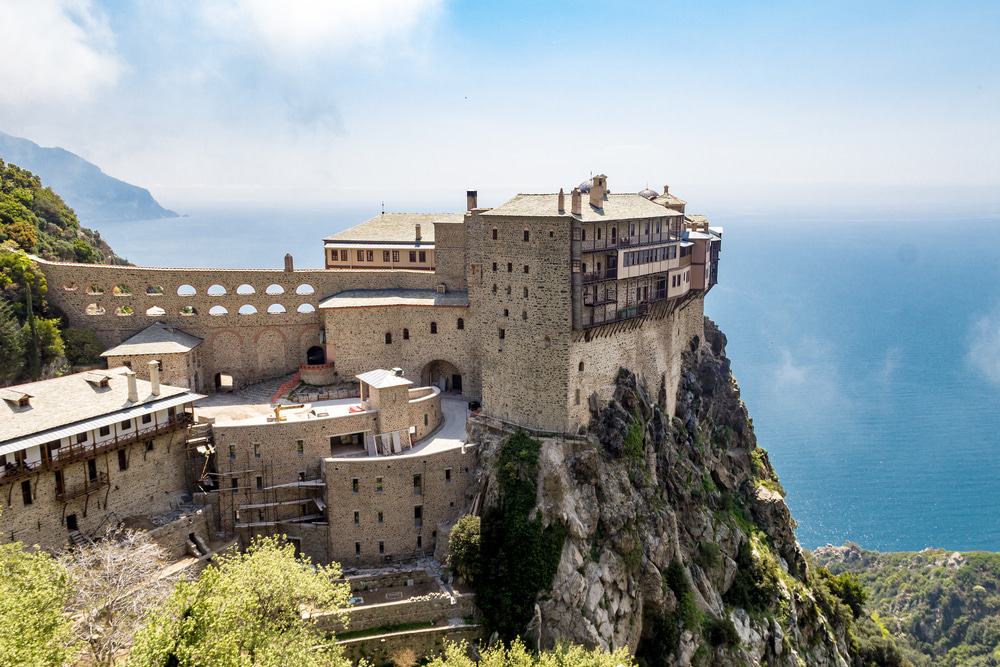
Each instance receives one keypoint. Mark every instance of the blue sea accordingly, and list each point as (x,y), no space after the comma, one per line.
(868,353)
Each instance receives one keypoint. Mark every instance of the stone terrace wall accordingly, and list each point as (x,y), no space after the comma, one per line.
(248,347)
(650,348)
(431,608)
(425,643)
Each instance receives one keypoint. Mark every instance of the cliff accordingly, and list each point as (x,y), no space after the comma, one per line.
(95,196)
(668,536)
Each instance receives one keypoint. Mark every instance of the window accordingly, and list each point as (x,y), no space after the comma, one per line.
(494,267)
(260,483)
(418,516)
(388,338)
(104,430)
(580,368)
(525,292)
(460,324)
(122,460)
(395,256)
(447,475)
(418,485)
(503,334)
(506,312)
(598,233)
(494,233)
(420,541)
(406,334)
(355,483)
(526,268)
(81,438)
(60,489)
(234,485)
(425,419)
(300,446)
(256,449)
(508,290)
(413,257)
(370,255)
(149,445)
(385,255)
(494,288)
(527,236)
(26,492)
(357,548)
(147,418)
(423,256)
(381,547)
(357,518)
(576,398)
(510,267)
(361,255)
(524,315)
(343,255)
(92,470)
(434,327)
(378,485)
(232,451)
(381,518)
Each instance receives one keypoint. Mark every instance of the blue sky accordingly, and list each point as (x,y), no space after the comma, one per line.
(322,101)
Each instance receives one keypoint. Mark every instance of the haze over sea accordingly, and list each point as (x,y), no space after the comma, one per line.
(868,353)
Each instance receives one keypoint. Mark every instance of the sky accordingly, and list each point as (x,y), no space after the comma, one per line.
(301,102)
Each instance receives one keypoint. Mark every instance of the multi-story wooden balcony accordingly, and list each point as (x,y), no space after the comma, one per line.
(64,456)
(86,487)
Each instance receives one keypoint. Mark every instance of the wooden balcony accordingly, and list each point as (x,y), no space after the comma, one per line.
(88,486)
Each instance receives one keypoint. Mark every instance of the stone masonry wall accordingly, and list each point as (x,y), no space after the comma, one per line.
(444,477)
(153,483)
(180,369)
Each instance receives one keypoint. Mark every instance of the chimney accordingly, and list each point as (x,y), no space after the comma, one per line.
(577,208)
(133,391)
(154,377)
(562,201)
(398,372)
(666,189)
(471,200)
(289,265)
(598,190)
(418,232)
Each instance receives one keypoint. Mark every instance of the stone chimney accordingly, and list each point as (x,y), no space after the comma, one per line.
(154,377)
(471,200)
(417,232)
(562,201)
(575,202)
(133,390)
(289,264)
(598,191)
(666,189)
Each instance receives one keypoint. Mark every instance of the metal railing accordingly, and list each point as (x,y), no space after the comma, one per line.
(595,276)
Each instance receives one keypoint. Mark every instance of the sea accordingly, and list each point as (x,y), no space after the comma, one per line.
(867,351)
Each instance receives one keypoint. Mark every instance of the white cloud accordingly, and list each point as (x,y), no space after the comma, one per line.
(984,347)
(303,27)
(55,52)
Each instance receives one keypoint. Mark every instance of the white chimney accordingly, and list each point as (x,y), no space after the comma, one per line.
(562,201)
(471,200)
(133,390)
(576,202)
(154,377)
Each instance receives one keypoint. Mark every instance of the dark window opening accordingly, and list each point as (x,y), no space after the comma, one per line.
(460,324)
(406,334)
(355,484)
(26,492)
(122,460)
(388,338)
(527,235)
(434,327)
(92,470)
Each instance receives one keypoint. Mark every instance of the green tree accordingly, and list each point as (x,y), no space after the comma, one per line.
(11,345)
(463,547)
(457,655)
(19,274)
(245,609)
(82,346)
(50,341)
(34,588)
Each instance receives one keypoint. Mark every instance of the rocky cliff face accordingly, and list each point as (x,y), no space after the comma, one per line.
(678,542)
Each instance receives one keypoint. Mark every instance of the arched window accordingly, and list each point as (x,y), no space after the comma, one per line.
(494,233)
(434,327)
(216,290)
(461,323)
(218,311)
(274,289)
(581,366)
(275,309)
(155,311)
(247,309)
(186,290)
(245,289)
(388,337)
(305,288)
(406,334)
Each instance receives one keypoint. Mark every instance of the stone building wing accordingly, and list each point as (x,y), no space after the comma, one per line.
(400,228)
(157,338)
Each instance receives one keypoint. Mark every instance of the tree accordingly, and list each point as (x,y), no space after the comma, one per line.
(34,629)
(247,608)
(50,342)
(11,345)
(18,272)
(463,547)
(82,346)
(457,655)
(116,586)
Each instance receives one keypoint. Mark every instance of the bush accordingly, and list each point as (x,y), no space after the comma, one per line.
(721,632)
(82,346)
(463,547)
(847,588)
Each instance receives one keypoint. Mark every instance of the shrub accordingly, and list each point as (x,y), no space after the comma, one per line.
(82,346)
(463,547)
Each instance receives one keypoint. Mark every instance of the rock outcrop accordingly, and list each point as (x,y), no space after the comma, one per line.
(679,544)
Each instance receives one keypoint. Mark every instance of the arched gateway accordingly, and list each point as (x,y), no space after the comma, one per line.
(442,374)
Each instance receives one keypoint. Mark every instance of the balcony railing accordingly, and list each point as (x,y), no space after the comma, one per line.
(89,485)
(597,245)
(595,276)
(64,456)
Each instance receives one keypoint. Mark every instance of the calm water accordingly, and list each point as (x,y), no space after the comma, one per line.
(864,351)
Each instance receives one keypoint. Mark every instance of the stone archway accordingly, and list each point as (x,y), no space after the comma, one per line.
(444,375)
(315,355)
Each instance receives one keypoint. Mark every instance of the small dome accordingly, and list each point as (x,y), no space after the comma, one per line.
(649,194)
(585,186)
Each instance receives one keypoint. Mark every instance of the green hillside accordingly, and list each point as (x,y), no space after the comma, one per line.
(943,606)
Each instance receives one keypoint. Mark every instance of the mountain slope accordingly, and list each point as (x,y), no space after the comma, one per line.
(95,196)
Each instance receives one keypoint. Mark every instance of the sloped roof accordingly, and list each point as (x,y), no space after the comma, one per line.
(626,206)
(396,228)
(157,338)
(73,398)
(382,379)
